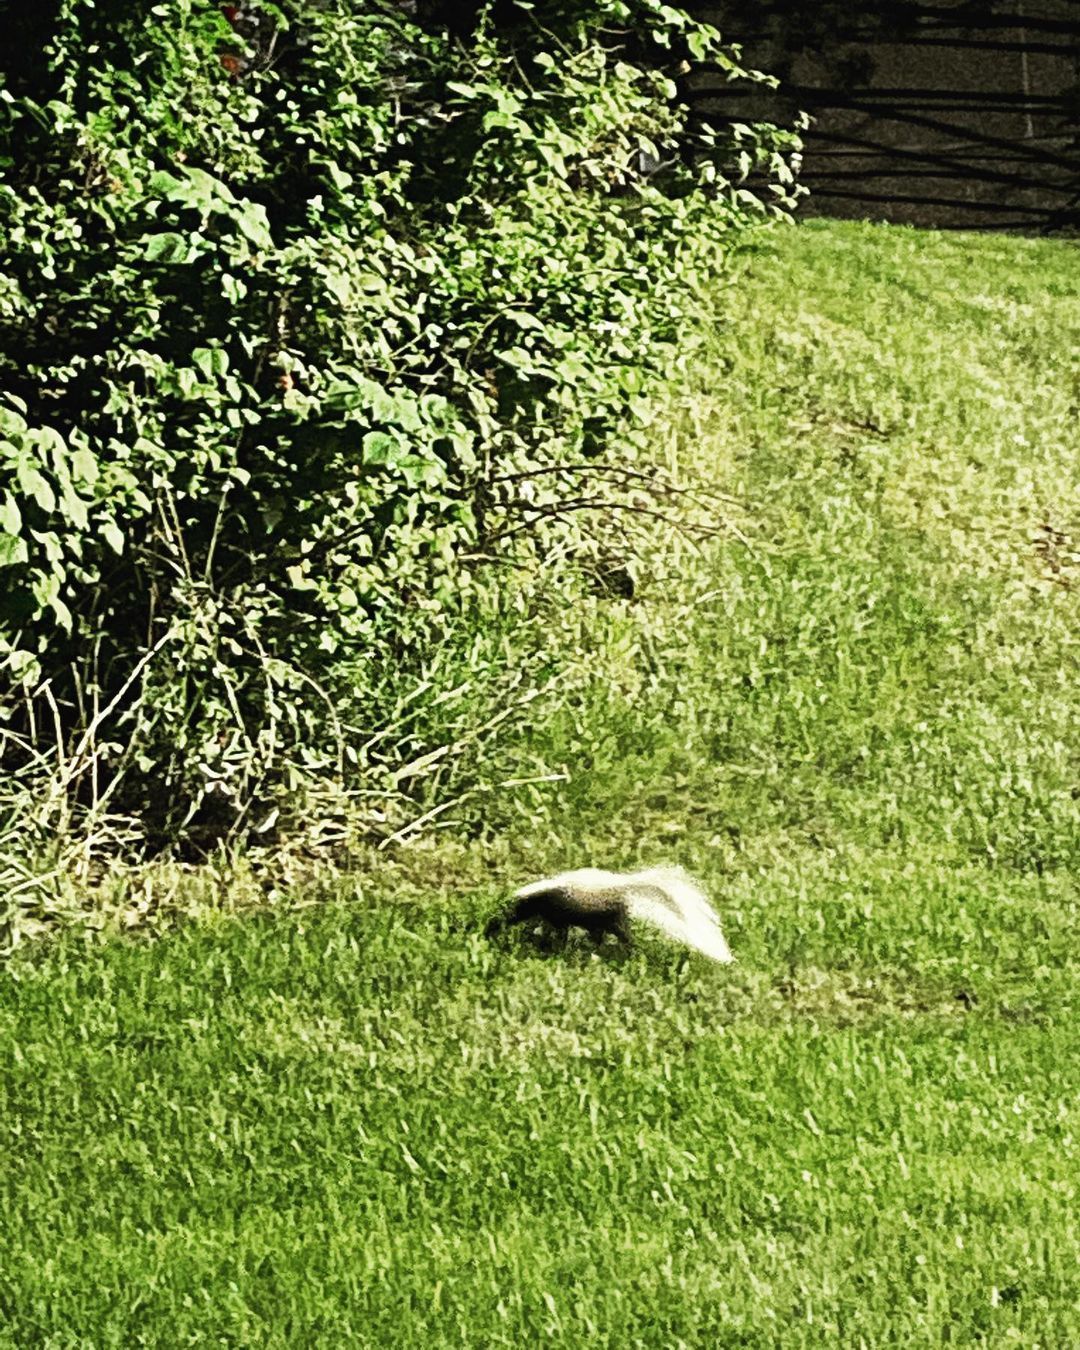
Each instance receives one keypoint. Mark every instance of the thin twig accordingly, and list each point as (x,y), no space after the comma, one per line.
(528,782)
(399,835)
(621,471)
(74,765)
(686,528)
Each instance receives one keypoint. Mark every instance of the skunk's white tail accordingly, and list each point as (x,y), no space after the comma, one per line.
(669,900)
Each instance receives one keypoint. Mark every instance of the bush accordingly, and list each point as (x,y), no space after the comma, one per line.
(309,312)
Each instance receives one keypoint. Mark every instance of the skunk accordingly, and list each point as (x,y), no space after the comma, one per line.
(605,902)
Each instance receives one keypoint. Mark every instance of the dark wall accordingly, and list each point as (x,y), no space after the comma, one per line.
(949,114)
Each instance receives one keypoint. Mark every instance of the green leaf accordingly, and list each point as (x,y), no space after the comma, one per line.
(700,44)
(206,185)
(298,578)
(379,448)
(12,550)
(162,183)
(499,119)
(167,248)
(35,485)
(193,187)
(46,587)
(74,511)
(339,286)
(254,225)
(63,614)
(112,535)
(24,666)
(517,357)
(10,516)
(211,362)
(84,466)
(233,288)
(340,179)
(53,548)
(522,319)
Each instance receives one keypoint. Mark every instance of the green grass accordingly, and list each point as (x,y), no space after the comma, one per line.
(352,1120)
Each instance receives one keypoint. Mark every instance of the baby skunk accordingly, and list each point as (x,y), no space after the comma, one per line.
(605,902)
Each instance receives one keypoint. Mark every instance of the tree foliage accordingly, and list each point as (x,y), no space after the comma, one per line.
(299,303)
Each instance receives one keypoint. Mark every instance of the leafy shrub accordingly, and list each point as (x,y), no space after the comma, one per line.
(308,312)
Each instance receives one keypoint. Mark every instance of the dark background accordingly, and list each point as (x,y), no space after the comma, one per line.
(947,114)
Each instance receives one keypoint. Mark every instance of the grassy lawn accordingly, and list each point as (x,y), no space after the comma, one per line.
(351,1120)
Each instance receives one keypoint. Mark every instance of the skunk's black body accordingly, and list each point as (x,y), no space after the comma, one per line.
(565,908)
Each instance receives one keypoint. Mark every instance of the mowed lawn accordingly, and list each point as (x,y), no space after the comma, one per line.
(352,1120)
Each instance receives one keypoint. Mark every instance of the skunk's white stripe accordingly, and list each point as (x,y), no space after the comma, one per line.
(588,879)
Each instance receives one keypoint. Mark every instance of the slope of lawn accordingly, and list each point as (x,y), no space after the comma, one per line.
(352,1120)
